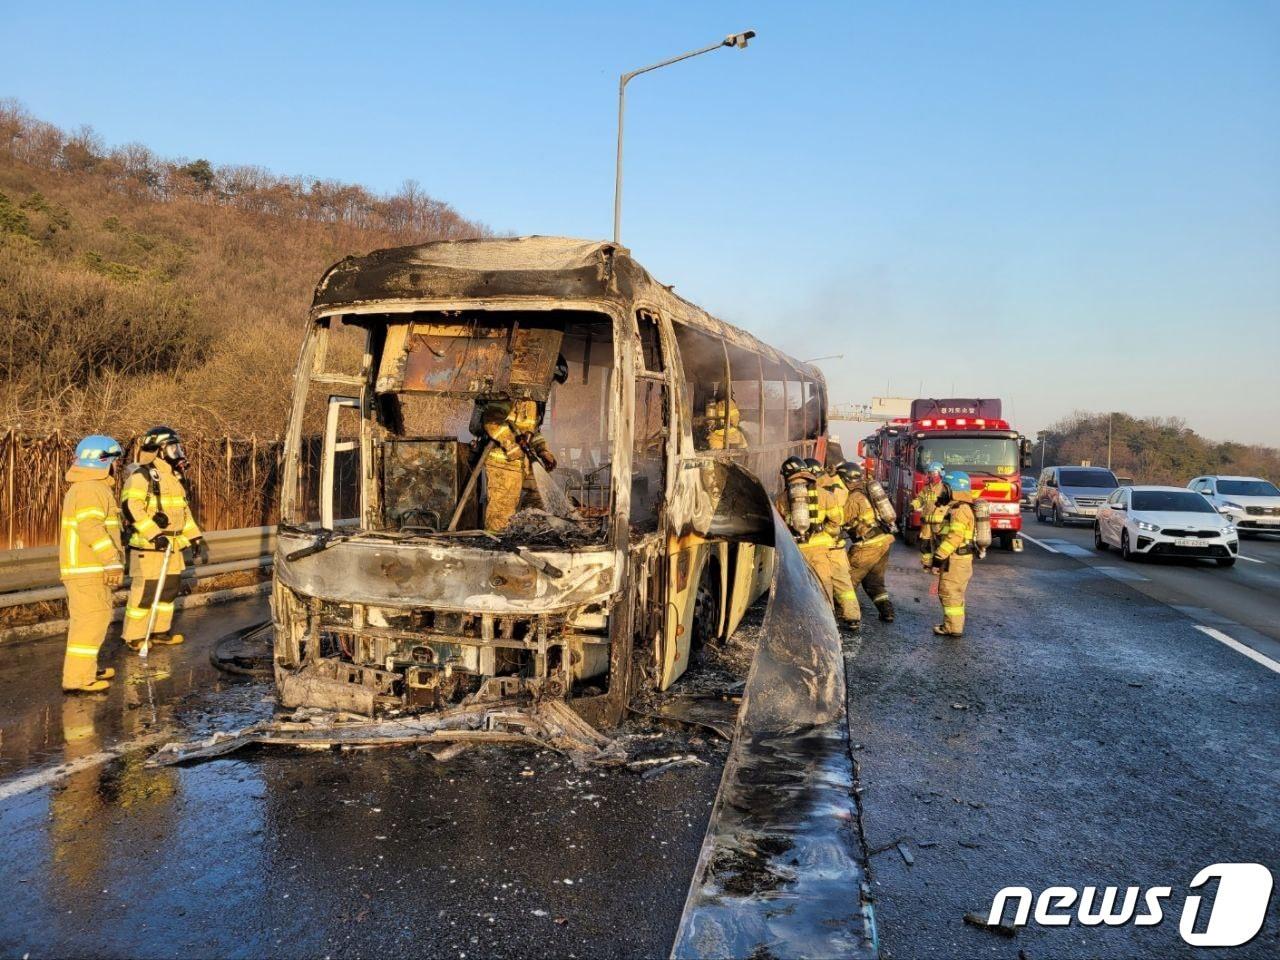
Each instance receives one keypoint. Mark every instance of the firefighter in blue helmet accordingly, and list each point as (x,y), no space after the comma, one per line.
(926,501)
(953,552)
(90,561)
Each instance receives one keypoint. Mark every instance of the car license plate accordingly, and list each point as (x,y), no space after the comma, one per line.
(1001,523)
(1088,511)
(1188,542)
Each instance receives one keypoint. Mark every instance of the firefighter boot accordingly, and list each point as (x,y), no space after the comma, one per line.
(106,673)
(93,686)
(885,607)
(167,639)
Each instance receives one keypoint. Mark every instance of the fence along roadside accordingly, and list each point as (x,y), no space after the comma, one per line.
(234,483)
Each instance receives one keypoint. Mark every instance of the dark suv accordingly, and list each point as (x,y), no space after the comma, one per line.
(1073,493)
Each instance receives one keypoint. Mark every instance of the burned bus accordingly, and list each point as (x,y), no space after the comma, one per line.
(390,594)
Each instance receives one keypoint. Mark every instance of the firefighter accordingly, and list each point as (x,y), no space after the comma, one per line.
(157,516)
(723,432)
(90,561)
(870,543)
(513,427)
(815,516)
(953,552)
(926,501)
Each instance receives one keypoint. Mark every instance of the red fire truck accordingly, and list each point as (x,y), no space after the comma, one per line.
(961,434)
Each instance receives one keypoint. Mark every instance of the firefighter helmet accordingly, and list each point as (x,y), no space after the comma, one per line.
(97,452)
(791,466)
(561,373)
(849,472)
(935,469)
(165,443)
(813,466)
(957,480)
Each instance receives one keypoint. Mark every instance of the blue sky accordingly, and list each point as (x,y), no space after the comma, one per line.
(1070,205)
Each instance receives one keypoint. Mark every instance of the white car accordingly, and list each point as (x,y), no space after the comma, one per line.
(1251,503)
(1165,522)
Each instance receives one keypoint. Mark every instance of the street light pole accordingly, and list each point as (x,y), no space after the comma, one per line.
(1109,416)
(738,40)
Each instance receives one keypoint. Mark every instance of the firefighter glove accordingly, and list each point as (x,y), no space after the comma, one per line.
(161,519)
(200,549)
(160,542)
(114,578)
(938,561)
(548,458)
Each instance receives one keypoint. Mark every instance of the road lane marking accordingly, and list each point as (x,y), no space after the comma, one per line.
(1239,647)
(1038,543)
(1241,556)
(44,777)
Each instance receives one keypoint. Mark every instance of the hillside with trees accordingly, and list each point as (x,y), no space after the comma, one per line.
(136,289)
(1151,450)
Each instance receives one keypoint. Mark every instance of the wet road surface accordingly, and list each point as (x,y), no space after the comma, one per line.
(499,852)
(1080,733)
(1244,600)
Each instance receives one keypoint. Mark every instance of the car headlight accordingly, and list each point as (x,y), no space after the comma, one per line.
(1228,505)
(1004,508)
(1065,500)
(1149,527)
(1229,530)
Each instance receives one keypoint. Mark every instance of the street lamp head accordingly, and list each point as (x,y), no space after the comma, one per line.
(739,40)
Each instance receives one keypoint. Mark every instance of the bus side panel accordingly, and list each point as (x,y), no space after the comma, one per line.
(752,575)
(684,568)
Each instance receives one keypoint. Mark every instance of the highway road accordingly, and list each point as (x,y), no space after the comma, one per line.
(1085,731)
(1082,733)
(1243,600)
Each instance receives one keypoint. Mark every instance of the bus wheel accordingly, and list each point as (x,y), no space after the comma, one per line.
(706,610)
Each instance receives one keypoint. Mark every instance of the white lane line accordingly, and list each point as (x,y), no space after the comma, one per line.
(1038,543)
(48,775)
(1239,647)
(1241,556)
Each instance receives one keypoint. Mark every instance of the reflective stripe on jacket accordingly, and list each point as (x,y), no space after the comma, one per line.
(957,527)
(142,503)
(89,539)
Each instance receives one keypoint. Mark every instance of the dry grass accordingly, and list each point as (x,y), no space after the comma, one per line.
(136,290)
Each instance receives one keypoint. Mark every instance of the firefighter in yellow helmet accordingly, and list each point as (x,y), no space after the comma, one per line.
(513,427)
(926,501)
(723,432)
(90,561)
(954,551)
(870,541)
(814,515)
(157,515)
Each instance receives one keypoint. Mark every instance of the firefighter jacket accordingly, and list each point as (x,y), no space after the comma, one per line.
(958,527)
(154,490)
(723,432)
(826,517)
(89,542)
(860,519)
(507,422)
(926,501)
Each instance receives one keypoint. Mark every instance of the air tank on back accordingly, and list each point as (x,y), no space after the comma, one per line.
(981,526)
(885,513)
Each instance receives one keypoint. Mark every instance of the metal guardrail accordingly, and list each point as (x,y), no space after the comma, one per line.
(31,575)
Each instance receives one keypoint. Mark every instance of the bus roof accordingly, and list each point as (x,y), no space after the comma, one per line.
(555,268)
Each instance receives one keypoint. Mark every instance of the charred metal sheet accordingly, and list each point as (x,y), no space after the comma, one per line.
(719,714)
(420,482)
(549,724)
(741,509)
(781,872)
(447,577)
